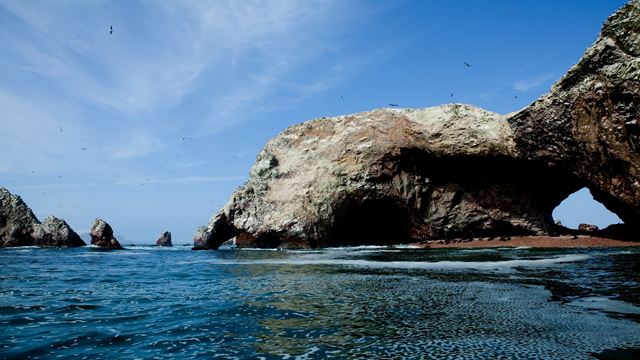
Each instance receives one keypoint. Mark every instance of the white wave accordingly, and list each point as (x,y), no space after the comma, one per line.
(438,265)
(156,248)
(606,304)
(18,248)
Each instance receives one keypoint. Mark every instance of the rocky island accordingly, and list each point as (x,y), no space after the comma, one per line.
(102,236)
(164,239)
(20,227)
(393,176)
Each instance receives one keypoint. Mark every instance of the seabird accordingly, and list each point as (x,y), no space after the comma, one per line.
(110,29)
(393,105)
(83,149)
(467,64)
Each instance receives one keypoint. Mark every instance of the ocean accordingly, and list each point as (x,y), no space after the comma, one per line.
(366,302)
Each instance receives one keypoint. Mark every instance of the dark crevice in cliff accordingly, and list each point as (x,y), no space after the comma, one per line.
(549,185)
(369,222)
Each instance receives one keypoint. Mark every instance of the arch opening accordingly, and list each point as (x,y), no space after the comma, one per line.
(581,208)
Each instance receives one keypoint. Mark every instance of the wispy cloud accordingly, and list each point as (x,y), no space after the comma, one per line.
(180,180)
(215,64)
(135,144)
(532,83)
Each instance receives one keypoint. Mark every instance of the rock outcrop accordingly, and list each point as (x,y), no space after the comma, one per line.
(58,234)
(400,175)
(201,238)
(20,227)
(164,239)
(588,228)
(589,124)
(102,235)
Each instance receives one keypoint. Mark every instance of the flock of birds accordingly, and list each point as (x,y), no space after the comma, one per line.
(451,94)
(468,65)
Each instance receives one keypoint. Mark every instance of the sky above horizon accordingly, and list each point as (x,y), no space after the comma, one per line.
(153,126)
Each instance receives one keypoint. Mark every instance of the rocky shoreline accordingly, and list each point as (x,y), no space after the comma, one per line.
(564,241)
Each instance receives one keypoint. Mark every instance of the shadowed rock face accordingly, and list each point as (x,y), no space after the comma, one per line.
(102,235)
(401,175)
(589,123)
(20,227)
(164,239)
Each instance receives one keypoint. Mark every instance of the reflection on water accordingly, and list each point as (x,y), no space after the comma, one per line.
(336,303)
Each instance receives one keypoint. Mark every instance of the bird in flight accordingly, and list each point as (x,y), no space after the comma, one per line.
(341,97)
(467,64)
(451,94)
(186,138)
(110,29)
(516,97)
(83,149)
(393,105)
(60,128)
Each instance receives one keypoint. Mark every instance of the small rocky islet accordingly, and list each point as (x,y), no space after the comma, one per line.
(164,239)
(102,235)
(454,171)
(20,227)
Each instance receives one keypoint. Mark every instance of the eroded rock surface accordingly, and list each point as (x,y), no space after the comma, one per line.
(164,239)
(58,234)
(389,176)
(589,123)
(102,235)
(201,238)
(401,175)
(20,227)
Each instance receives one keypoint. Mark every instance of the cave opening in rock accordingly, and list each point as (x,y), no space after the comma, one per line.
(370,222)
(581,208)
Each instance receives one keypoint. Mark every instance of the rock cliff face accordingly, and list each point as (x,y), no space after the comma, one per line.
(102,235)
(589,123)
(20,227)
(401,175)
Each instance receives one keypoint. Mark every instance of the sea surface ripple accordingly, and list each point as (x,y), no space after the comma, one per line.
(366,302)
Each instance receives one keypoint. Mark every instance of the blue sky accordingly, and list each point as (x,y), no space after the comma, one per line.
(152,127)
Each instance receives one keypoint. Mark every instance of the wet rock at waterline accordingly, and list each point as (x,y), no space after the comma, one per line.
(102,235)
(201,238)
(164,239)
(401,175)
(20,227)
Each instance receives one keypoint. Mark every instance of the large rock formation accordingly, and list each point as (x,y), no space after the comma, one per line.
(400,175)
(102,235)
(58,234)
(164,239)
(589,123)
(20,227)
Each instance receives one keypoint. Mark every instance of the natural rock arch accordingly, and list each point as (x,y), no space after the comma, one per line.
(457,170)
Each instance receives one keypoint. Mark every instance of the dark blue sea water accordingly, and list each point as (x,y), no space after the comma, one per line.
(367,303)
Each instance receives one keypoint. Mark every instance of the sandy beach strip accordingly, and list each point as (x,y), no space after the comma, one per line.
(530,241)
